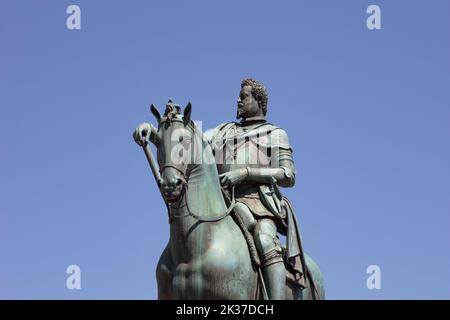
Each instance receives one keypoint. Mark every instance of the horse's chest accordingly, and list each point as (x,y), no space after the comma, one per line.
(190,240)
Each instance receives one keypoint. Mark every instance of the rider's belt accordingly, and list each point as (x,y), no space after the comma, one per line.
(248,191)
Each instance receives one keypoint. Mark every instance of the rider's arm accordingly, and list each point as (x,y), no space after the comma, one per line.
(284,174)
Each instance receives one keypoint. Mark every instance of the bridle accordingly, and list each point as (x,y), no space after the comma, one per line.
(185,175)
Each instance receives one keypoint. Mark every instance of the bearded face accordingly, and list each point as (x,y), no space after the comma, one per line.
(247,105)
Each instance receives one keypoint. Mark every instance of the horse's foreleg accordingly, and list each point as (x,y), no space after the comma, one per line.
(164,276)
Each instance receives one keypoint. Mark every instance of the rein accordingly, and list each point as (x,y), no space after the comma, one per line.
(197,216)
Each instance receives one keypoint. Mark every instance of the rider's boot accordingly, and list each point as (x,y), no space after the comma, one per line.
(270,252)
(274,273)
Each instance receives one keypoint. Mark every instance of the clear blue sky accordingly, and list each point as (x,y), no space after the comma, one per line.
(367,113)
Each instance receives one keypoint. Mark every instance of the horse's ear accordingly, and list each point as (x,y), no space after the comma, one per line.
(155,112)
(187,113)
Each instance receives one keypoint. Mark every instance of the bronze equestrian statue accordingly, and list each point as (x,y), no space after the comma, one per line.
(225,208)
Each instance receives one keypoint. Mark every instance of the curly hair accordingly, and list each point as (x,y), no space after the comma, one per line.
(259,92)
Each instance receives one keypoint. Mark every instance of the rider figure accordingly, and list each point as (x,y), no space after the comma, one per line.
(255,157)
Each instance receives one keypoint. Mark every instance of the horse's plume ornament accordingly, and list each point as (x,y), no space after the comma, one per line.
(172,109)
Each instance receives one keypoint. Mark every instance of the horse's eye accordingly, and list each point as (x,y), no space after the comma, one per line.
(180,139)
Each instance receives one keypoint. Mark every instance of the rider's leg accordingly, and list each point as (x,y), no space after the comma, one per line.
(246,216)
(272,264)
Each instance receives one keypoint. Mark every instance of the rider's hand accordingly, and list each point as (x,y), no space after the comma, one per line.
(142,133)
(233,177)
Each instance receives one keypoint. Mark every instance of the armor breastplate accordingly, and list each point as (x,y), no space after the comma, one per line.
(239,146)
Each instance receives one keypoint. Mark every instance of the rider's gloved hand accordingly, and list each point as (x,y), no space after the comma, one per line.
(233,177)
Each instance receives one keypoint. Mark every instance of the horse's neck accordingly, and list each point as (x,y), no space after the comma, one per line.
(203,198)
(203,193)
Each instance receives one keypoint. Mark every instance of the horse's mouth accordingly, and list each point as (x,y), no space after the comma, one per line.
(172,195)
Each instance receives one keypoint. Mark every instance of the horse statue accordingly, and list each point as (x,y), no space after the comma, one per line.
(207,256)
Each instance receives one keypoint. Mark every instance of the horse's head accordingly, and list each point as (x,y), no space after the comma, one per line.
(174,143)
